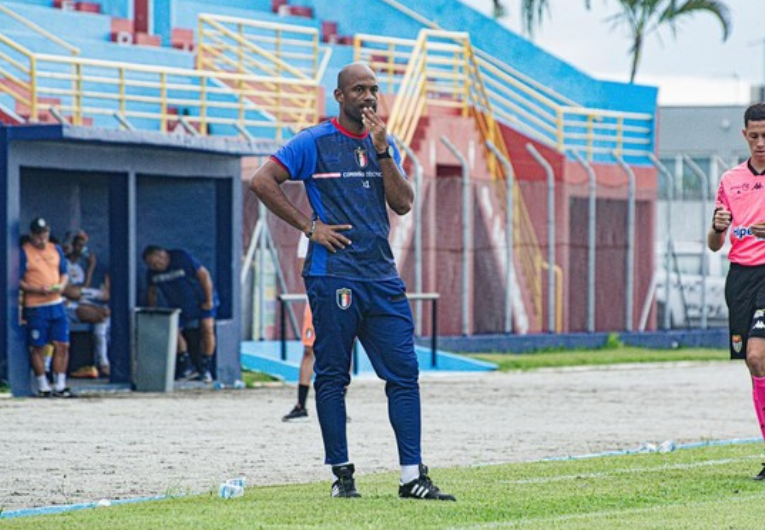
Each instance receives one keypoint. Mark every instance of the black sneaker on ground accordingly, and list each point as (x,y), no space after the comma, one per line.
(185,369)
(63,393)
(297,413)
(44,393)
(344,486)
(204,369)
(423,488)
(761,474)
(189,375)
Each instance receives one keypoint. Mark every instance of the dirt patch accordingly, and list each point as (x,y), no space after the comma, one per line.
(122,446)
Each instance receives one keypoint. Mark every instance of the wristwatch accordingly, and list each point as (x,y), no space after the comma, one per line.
(311,230)
(388,153)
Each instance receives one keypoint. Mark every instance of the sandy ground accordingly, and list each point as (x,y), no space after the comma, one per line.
(131,445)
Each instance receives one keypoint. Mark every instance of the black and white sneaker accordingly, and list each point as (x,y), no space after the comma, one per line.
(761,474)
(63,393)
(298,413)
(344,486)
(44,393)
(423,488)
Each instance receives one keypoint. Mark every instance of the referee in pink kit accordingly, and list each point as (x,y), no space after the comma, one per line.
(739,208)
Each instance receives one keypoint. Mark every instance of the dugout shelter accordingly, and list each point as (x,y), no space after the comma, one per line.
(128,189)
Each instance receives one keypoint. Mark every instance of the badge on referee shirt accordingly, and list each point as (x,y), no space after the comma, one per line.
(344,298)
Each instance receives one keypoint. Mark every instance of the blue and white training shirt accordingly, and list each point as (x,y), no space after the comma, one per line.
(344,183)
(179,283)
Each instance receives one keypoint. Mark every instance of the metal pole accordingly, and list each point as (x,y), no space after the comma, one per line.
(434,334)
(254,241)
(704,178)
(722,167)
(550,235)
(280,278)
(418,173)
(283,327)
(261,279)
(669,248)
(592,214)
(285,305)
(466,230)
(510,241)
(630,241)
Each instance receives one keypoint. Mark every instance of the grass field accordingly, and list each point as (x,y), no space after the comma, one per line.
(615,355)
(702,488)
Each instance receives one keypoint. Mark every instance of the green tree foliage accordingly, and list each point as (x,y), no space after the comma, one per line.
(644,17)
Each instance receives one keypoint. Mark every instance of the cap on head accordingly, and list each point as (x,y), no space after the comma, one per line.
(39,225)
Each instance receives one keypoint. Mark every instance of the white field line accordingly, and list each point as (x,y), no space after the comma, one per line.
(623,471)
(605,513)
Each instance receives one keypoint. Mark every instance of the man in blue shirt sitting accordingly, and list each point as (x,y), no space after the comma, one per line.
(188,286)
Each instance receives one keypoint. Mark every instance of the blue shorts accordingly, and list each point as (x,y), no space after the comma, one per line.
(48,323)
(190,319)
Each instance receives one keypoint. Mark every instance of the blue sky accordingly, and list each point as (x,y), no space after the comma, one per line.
(695,67)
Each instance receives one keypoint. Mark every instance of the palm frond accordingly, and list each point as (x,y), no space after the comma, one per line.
(691,7)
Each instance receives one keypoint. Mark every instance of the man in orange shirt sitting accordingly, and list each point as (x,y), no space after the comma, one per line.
(43,278)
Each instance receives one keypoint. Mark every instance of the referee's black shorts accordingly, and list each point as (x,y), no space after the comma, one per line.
(745,296)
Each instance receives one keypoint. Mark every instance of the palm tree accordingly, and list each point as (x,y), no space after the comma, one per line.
(646,16)
(642,16)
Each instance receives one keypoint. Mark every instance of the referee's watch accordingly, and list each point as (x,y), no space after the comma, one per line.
(388,153)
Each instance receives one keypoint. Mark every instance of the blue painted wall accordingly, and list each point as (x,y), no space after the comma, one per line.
(8,240)
(117,8)
(177,213)
(82,202)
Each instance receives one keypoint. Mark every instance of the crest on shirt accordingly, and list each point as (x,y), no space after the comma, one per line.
(344,298)
(361,157)
(737,343)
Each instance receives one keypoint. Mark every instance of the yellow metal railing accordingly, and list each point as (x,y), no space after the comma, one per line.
(13,72)
(506,94)
(441,69)
(73,50)
(17,68)
(149,97)
(278,51)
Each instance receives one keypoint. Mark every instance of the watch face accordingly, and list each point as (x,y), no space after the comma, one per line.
(388,153)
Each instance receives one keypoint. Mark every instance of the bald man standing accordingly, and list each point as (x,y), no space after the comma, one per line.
(351,169)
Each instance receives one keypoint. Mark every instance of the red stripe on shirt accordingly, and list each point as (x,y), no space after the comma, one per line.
(272,157)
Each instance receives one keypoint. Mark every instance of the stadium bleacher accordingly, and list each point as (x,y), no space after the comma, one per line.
(235,73)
